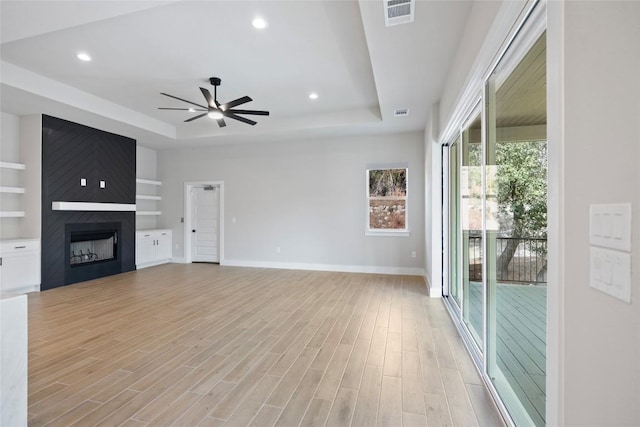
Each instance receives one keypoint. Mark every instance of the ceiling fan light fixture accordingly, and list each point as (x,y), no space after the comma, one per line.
(215,110)
(259,23)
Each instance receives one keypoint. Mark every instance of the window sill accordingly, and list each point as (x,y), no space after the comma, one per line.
(385,233)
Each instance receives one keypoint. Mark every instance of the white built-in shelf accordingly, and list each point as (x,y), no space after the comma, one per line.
(147,197)
(12,165)
(11,214)
(15,190)
(148,181)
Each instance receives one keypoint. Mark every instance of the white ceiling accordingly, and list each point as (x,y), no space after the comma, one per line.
(342,50)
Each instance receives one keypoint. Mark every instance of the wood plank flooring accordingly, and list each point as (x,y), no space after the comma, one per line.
(204,345)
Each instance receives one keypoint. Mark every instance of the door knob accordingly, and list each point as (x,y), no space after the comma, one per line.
(193,231)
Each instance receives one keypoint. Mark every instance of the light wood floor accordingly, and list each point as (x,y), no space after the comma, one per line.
(206,345)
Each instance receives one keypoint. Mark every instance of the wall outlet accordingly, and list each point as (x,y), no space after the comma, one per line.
(413,254)
(277,249)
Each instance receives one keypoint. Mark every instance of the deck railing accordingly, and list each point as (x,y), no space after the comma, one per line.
(527,265)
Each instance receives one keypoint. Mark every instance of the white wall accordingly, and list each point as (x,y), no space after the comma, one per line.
(146,168)
(10,152)
(21,143)
(31,155)
(594,139)
(9,138)
(482,15)
(306,197)
(433,198)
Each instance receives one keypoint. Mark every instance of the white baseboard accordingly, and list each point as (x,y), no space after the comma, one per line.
(405,271)
(152,264)
(179,260)
(23,289)
(433,292)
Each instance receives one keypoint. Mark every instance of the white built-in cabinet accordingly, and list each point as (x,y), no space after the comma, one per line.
(153,247)
(19,265)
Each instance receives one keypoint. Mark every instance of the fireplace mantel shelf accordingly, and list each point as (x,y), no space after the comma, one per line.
(92,206)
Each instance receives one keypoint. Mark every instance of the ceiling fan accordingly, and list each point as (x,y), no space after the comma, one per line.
(214,109)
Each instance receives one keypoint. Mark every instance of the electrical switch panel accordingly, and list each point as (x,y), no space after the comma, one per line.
(610,251)
(610,226)
(611,272)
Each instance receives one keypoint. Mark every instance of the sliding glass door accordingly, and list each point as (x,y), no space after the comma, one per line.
(471,227)
(454,253)
(516,233)
(496,231)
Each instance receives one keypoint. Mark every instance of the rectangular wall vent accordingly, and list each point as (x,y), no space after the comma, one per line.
(398,11)
(401,112)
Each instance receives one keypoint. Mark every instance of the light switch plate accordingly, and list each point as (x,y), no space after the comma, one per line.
(103,184)
(611,272)
(610,226)
(83,182)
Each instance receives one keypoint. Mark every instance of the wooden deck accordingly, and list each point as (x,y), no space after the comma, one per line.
(521,344)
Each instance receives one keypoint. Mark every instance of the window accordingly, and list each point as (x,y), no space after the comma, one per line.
(387,201)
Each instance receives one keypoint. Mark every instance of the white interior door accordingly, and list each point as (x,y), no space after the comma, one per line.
(205,216)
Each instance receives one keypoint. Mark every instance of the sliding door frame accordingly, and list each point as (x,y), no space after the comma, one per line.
(530,24)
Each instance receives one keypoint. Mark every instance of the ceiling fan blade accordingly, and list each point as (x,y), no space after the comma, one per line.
(241,119)
(196,117)
(183,100)
(235,102)
(181,109)
(221,123)
(254,112)
(208,97)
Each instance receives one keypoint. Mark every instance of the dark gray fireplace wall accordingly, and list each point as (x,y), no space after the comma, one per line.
(71,151)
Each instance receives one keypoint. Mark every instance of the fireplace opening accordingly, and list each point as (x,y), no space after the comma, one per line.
(92,247)
(92,250)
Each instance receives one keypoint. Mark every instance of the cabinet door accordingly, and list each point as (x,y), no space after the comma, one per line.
(163,247)
(19,271)
(116,167)
(145,248)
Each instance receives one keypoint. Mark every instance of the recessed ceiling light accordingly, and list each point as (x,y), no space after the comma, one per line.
(192,110)
(216,115)
(83,57)
(313,95)
(259,23)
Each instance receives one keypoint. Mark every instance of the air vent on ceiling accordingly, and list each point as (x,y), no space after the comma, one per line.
(401,112)
(398,11)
